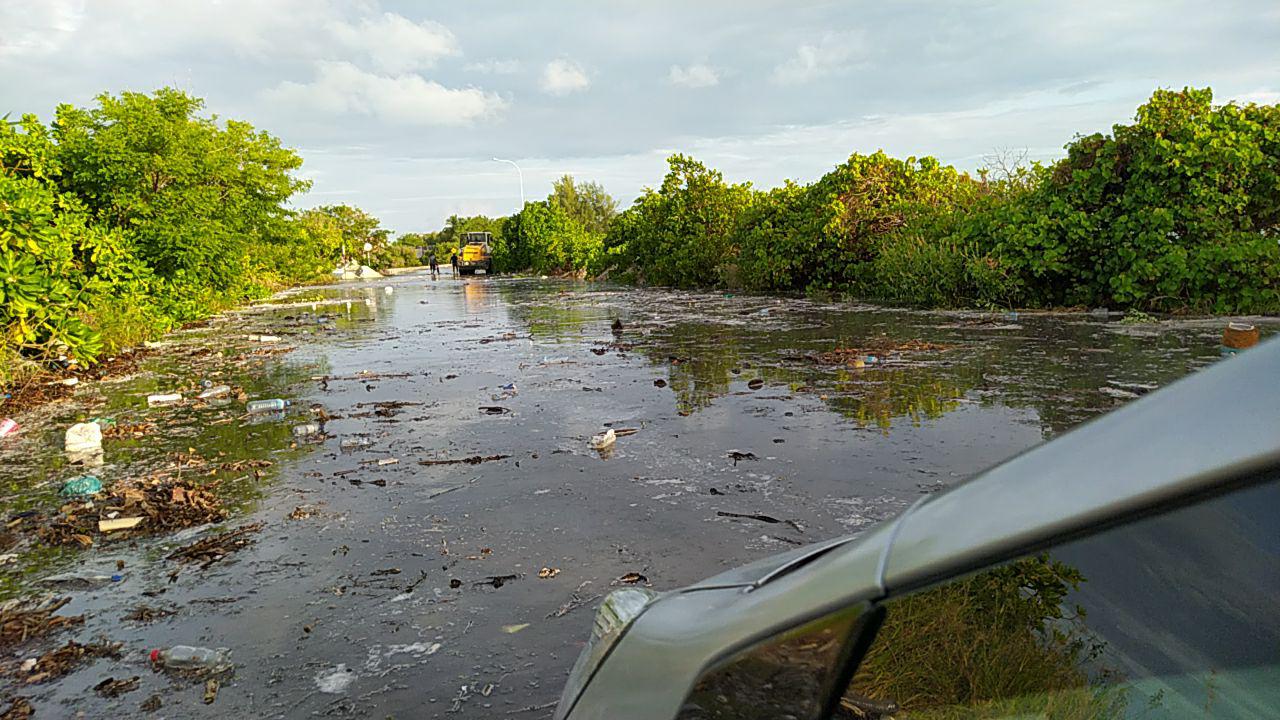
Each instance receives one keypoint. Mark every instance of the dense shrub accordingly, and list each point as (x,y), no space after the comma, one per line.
(682,233)
(1179,210)
(119,221)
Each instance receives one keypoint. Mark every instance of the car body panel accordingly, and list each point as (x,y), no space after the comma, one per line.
(1214,425)
(654,665)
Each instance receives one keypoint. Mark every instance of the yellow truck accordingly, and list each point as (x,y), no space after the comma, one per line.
(476,253)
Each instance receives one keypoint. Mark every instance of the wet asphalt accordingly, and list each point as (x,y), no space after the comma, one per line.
(381,587)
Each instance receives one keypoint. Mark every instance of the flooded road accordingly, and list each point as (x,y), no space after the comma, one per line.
(379,586)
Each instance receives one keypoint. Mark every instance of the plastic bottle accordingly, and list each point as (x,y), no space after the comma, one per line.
(274,404)
(8,426)
(213,391)
(184,657)
(164,399)
(306,429)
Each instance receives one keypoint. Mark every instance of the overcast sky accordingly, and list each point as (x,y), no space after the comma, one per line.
(399,107)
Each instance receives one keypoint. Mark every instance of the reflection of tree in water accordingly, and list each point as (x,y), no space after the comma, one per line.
(557,321)
(997,644)
(881,395)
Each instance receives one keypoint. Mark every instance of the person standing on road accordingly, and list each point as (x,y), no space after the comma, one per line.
(453,260)
(435,267)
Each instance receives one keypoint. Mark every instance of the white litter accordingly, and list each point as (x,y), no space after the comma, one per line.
(603,440)
(335,682)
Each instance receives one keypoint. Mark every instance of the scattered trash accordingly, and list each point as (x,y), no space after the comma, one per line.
(762,518)
(600,441)
(22,620)
(112,431)
(659,383)
(599,351)
(1237,337)
(306,429)
(264,338)
(60,661)
(84,437)
(152,704)
(212,549)
(503,338)
(69,581)
(513,629)
(272,405)
(547,573)
(147,614)
(493,410)
(633,578)
(214,392)
(81,486)
(211,685)
(575,601)
(8,426)
(755,384)
(736,455)
(113,524)
(335,682)
(70,382)
(496,581)
(354,442)
(111,687)
(189,657)
(164,399)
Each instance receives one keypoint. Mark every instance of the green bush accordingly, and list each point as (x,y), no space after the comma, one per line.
(1180,210)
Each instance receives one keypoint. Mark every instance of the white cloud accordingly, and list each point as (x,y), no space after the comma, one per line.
(37,29)
(396,44)
(693,76)
(495,66)
(561,77)
(342,88)
(833,54)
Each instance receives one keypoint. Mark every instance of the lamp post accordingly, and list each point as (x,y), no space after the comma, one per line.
(520,173)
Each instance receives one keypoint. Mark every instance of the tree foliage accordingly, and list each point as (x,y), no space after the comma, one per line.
(682,233)
(123,219)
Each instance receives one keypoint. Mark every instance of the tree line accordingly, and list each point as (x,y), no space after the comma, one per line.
(122,220)
(1176,211)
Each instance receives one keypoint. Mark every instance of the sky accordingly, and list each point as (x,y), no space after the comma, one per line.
(400,107)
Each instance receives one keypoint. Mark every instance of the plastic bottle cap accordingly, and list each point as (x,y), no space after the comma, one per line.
(155,655)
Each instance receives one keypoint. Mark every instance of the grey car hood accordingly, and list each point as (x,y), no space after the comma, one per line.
(764,570)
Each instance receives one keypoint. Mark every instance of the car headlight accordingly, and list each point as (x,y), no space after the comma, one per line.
(619,609)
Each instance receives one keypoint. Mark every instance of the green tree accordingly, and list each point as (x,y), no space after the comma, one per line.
(1180,209)
(681,234)
(191,194)
(586,203)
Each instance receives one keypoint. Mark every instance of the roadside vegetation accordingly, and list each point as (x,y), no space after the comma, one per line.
(140,213)
(125,219)
(1178,211)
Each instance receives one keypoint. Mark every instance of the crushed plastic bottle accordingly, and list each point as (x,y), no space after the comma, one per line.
(188,657)
(306,429)
(213,391)
(272,405)
(8,426)
(164,399)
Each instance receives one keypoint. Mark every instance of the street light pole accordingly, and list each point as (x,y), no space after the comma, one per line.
(520,173)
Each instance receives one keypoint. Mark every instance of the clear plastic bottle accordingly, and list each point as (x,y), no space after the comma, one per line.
(187,657)
(271,405)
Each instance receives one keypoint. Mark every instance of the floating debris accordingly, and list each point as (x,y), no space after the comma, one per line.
(22,620)
(60,661)
(212,549)
(473,460)
(111,687)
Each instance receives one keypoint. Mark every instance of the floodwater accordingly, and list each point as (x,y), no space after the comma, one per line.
(371,592)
